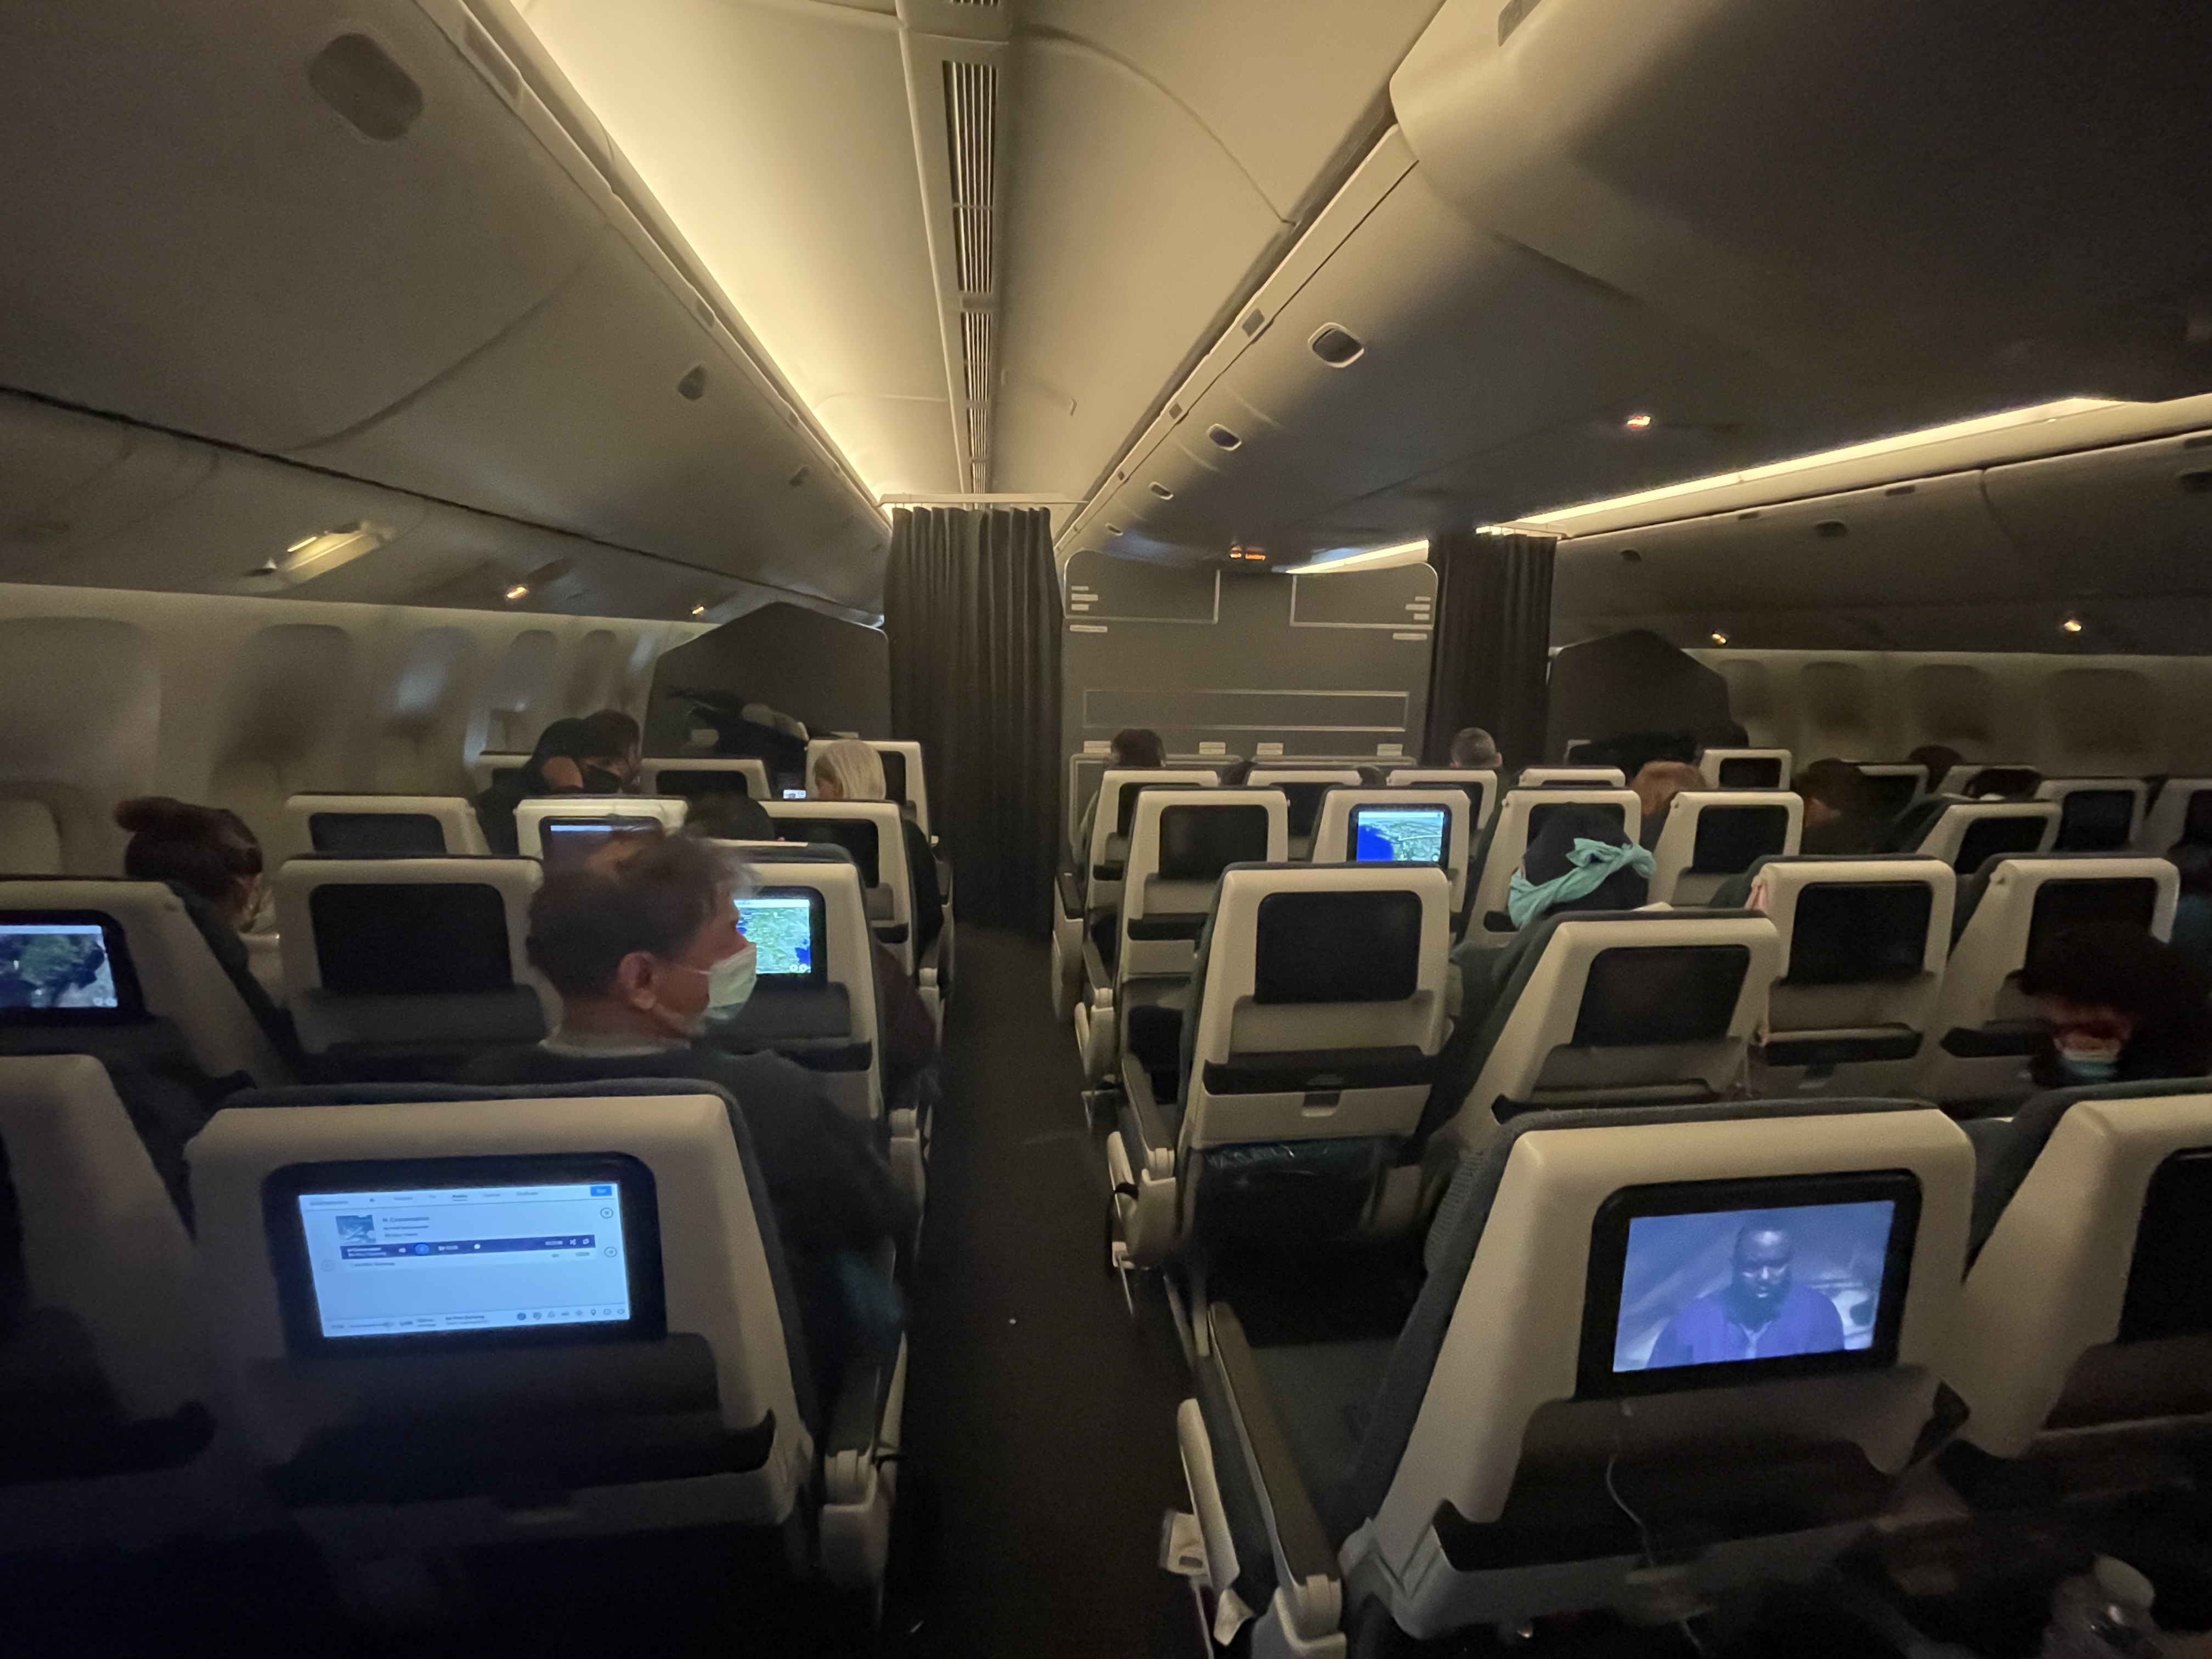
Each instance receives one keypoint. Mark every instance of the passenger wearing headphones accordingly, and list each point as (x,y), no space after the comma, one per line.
(642,944)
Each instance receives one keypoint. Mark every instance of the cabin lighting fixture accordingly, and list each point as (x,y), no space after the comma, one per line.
(1373,558)
(1719,638)
(698,610)
(2072,625)
(520,590)
(320,553)
(1637,423)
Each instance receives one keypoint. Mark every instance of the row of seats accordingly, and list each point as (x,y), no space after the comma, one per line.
(248,1370)
(1564,1416)
(905,780)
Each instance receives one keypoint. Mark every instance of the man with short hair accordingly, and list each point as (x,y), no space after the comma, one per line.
(1760,1314)
(1136,748)
(642,944)
(1473,750)
(1836,819)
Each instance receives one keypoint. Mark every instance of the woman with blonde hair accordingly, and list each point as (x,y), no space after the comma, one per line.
(849,770)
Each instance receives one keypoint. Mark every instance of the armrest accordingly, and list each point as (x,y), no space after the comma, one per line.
(1144,1118)
(852,1419)
(1071,894)
(1304,1558)
(1094,965)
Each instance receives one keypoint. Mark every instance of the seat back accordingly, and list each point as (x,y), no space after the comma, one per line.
(384,826)
(814,998)
(1117,795)
(2096,815)
(405,967)
(1320,1009)
(1480,788)
(1888,787)
(694,776)
(345,1406)
(2090,1302)
(1518,1474)
(1505,841)
(136,949)
(1864,942)
(1551,777)
(2182,813)
(1745,769)
(104,1266)
(1304,787)
(1989,1032)
(1179,844)
(1399,825)
(1967,834)
(581,823)
(1610,1007)
(871,832)
(1709,835)
(906,783)
(1979,781)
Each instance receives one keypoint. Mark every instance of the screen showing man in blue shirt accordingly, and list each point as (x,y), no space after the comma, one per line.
(1760,1314)
(1738,1286)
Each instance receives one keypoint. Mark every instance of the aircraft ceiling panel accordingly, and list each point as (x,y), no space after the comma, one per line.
(778,137)
(578,419)
(2130,515)
(204,243)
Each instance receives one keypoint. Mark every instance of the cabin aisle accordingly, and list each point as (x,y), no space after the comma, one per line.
(1040,1418)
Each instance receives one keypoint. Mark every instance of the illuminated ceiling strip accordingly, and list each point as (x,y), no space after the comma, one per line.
(1987,423)
(1375,558)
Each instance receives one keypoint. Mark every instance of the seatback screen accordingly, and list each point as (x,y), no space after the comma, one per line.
(1197,843)
(785,927)
(2169,1293)
(695,782)
(1884,795)
(1729,837)
(377,834)
(1399,835)
(1640,997)
(410,938)
(1750,772)
(66,968)
(564,843)
(1706,1284)
(1852,932)
(1540,816)
(1989,838)
(2131,901)
(1337,947)
(2096,821)
(856,835)
(369,1252)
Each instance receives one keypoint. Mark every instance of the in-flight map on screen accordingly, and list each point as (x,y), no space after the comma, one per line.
(782,933)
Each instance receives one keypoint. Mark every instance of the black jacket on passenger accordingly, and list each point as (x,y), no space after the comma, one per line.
(826,1172)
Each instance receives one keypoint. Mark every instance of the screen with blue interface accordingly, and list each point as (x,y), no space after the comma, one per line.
(55,964)
(1398,835)
(1729,1286)
(782,933)
(466,1259)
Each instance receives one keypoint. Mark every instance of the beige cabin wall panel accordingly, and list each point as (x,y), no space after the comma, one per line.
(240,701)
(2070,715)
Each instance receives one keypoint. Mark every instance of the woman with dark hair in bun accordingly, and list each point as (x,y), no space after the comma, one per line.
(205,850)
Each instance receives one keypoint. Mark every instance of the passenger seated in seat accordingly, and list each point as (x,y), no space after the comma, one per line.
(908,1034)
(2121,1007)
(642,944)
(1656,783)
(207,851)
(612,762)
(1472,749)
(1937,759)
(2192,915)
(555,767)
(848,769)
(1133,748)
(1582,861)
(1836,820)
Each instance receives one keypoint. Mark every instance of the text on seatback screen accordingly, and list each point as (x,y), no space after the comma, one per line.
(466,1259)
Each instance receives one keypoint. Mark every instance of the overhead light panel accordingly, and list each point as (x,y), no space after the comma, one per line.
(2071,625)
(320,553)
(1375,558)
(1637,423)
(520,590)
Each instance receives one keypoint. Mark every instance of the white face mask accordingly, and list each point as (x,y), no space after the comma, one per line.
(730,983)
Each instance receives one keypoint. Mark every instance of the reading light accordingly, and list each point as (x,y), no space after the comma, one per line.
(698,610)
(2072,625)
(1719,638)
(520,590)
(1637,423)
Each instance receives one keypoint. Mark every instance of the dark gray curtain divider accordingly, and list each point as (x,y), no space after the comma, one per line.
(971,606)
(1490,645)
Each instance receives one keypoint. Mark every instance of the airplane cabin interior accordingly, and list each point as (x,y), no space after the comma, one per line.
(940,829)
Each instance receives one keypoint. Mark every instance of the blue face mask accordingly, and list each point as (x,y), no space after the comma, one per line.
(1590,864)
(2089,1065)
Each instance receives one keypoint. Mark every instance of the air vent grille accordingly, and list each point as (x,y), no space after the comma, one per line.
(971,118)
(978,341)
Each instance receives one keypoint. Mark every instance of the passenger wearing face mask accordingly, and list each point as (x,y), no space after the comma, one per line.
(643,946)
(2119,1006)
